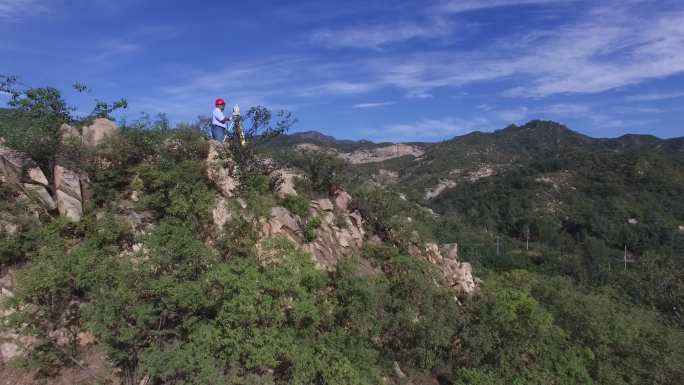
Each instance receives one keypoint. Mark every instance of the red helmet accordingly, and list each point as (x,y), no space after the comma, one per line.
(220,102)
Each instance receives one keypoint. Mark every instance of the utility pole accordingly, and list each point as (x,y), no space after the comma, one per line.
(526,233)
(625,258)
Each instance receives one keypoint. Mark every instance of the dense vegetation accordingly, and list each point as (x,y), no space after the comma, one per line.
(185,303)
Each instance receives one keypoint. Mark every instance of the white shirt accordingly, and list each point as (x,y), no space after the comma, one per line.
(218,118)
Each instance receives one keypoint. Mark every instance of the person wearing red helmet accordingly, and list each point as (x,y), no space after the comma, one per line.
(219,121)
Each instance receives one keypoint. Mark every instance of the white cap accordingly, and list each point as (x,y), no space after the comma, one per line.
(236,110)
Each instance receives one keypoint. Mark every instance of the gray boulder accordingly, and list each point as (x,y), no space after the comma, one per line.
(18,167)
(98,131)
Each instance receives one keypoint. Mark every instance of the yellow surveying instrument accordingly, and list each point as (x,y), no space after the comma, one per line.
(236,125)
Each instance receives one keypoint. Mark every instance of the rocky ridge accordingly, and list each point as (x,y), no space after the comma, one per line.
(341,230)
(364,156)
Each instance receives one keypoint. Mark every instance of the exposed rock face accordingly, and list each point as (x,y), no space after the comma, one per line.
(220,214)
(287,187)
(458,275)
(484,171)
(339,234)
(282,223)
(342,200)
(40,194)
(69,134)
(323,204)
(71,189)
(439,188)
(314,147)
(386,176)
(19,168)
(221,170)
(69,192)
(21,171)
(97,132)
(69,206)
(9,341)
(380,154)
(449,250)
(373,155)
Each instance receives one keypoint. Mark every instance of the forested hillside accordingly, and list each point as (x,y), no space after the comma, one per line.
(144,254)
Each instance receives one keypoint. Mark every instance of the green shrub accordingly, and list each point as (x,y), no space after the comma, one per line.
(64,270)
(297,204)
(323,172)
(180,190)
(239,239)
(312,224)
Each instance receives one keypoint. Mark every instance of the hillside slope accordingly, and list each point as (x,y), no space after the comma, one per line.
(152,255)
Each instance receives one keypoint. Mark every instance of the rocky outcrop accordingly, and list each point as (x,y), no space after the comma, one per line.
(220,213)
(449,250)
(69,189)
(342,200)
(457,275)
(287,187)
(484,171)
(439,188)
(40,195)
(339,234)
(98,132)
(221,170)
(69,134)
(380,154)
(19,168)
(70,192)
(21,171)
(372,155)
(9,341)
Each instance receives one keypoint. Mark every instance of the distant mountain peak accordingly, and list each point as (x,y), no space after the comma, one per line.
(314,135)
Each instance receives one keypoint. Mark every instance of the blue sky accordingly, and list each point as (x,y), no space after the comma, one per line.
(381,70)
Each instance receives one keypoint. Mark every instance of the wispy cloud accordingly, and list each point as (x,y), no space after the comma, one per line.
(115,48)
(611,49)
(373,105)
(512,115)
(341,87)
(592,54)
(13,10)
(654,96)
(459,6)
(565,109)
(375,36)
(608,48)
(430,129)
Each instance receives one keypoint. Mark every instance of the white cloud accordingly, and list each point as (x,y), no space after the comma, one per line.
(430,129)
(564,109)
(12,10)
(610,47)
(654,96)
(418,94)
(458,6)
(512,115)
(378,35)
(343,87)
(599,48)
(115,48)
(373,105)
